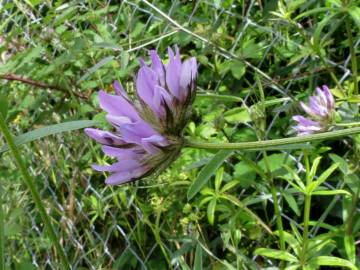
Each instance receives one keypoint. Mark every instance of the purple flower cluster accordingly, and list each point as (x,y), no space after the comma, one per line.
(320,112)
(148,129)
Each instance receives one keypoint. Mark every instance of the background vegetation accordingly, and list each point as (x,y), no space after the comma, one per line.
(257,59)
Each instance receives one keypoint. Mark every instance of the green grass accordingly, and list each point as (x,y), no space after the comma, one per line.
(257,60)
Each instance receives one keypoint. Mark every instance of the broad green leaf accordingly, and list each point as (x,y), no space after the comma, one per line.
(49,130)
(276,163)
(237,115)
(207,171)
(237,69)
(276,254)
(198,258)
(332,261)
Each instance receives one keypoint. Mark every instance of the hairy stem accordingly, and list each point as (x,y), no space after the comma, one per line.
(29,181)
(261,145)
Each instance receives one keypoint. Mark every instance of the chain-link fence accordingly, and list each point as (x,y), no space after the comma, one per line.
(96,229)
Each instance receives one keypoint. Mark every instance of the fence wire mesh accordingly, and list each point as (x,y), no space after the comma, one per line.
(99,238)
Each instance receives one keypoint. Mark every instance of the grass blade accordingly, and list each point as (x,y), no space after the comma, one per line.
(49,130)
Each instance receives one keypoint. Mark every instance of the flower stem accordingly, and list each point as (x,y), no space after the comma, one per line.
(2,231)
(353,58)
(347,124)
(35,194)
(306,211)
(279,223)
(261,145)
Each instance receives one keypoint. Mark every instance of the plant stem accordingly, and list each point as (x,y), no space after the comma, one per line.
(35,194)
(260,145)
(353,58)
(279,223)
(347,124)
(349,221)
(2,231)
(306,211)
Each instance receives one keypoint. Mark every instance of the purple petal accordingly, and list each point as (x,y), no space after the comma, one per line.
(117,105)
(118,121)
(133,152)
(309,110)
(145,86)
(150,143)
(135,132)
(119,90)
(304,121)
(124,177)
(104,137)
(158,67)
(329,98)
(173,70)
(142,62)
(321,96)
(120,166)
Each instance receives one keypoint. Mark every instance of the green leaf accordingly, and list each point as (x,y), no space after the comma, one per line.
(322,178)
(207,171)
(276,162)
(211,211)
(314,167)
(318,30)
(355,14)
(98,65)
(292,202)
(237,115)
(332,261)
(331,192)
(3,105)
(218,178)
(198,258)
(276,254)
(349,244)
(49,130)
(237,69)
(343,166)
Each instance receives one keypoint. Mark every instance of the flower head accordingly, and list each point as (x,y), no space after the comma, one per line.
(148,128)
(320,112)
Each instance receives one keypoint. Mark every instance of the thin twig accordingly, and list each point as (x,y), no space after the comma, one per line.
(14,77)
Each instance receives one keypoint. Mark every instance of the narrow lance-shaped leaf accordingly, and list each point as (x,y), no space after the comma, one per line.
(49,130)
(207,171)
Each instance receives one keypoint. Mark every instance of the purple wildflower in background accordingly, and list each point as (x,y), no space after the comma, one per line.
(320,112)
(148,129)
